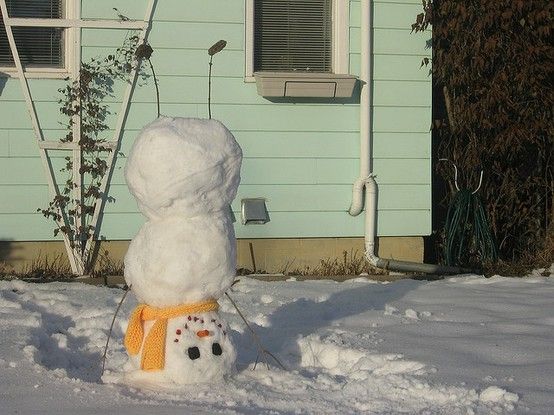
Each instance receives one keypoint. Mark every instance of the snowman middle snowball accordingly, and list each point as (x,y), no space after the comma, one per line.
(184,173)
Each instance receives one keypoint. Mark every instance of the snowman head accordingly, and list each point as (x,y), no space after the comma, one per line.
(198,349)
(183,166)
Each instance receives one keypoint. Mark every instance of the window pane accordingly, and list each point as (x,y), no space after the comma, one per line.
(292,35)
(37,46)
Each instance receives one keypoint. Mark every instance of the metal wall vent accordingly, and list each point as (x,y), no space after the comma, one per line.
(254,211)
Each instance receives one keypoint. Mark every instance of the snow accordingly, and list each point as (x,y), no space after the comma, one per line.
(177,260)
(184,173)
(463,345)
(183,166)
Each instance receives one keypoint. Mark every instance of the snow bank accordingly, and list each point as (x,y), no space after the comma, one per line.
(477,346)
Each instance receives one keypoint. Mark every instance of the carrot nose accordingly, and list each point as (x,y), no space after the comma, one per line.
(202,333)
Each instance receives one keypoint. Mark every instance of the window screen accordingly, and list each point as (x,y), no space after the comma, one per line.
(37,46)
(293,35)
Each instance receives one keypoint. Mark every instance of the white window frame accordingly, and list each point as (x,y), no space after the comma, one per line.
(69,36)
(340,40)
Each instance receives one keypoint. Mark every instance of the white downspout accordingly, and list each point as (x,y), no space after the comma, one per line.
(365,112)
(366,142)
(366,180)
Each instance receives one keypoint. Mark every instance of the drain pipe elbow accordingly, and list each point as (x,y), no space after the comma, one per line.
(357,197)
(392,264)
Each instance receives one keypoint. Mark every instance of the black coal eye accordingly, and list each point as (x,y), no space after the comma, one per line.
(216,349)
(194,353)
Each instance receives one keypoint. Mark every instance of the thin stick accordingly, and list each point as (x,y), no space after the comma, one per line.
(252,256)
(210,89)
(111,327)
(261,349)
(156,84)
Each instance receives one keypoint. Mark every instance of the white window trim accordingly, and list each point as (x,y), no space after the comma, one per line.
(340,42)
(70,35)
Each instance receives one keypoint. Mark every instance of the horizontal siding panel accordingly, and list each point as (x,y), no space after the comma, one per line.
(170,10)
(280,198)
(22,143)
(176,90)
(34,227)
(26,227)
(394,68)
(265,144)
(402,145)
(384,12)
(14,114)
(401,68)
(21,171)
(190,35)
(402,94)
(339,224)
(41,90)
(392,42)
(261,171)
(4,143)
(23,199)
(289,117)
(299,144)
(396,1)
(395,15)
(104,9)
(402,171)
(185,62)
(331,197)
(401,119)
(332,171)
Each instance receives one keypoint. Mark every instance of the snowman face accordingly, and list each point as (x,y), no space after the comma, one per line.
(198,349)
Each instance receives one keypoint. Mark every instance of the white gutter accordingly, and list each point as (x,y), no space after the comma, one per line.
(366,180)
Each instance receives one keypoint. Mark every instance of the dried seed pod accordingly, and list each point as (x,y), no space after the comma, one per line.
(217,47)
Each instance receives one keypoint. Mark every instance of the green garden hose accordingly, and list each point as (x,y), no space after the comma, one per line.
(467,232)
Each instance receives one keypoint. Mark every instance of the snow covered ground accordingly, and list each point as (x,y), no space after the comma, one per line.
(463,345)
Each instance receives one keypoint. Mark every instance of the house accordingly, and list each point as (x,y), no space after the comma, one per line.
(291,109)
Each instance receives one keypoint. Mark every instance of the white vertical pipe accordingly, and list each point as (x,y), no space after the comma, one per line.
(366,150)
(365,93)
(366,181)
(365,111)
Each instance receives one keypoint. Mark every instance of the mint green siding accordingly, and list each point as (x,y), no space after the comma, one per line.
(301,155)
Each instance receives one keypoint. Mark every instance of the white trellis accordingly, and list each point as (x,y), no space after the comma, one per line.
(75,252)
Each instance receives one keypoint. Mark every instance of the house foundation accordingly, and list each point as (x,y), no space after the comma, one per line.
(281,255)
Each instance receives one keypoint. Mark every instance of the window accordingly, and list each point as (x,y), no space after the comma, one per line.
(39,47)
(309,36)
(292,35)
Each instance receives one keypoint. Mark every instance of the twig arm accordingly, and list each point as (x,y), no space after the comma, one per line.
(261,349)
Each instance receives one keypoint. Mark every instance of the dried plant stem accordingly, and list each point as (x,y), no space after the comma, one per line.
(262,351)
(448,105)
(210,89)
(111,327)
(156,85)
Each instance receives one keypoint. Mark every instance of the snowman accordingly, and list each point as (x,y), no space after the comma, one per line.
(184,173)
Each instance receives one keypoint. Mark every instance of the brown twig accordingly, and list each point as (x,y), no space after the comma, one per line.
(111,327)
(262,351)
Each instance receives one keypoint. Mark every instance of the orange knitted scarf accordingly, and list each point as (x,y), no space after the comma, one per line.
(153,350)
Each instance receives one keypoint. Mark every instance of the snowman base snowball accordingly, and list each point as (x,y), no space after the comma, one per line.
(196,348)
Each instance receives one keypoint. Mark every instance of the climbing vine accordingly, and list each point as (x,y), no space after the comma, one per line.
(83,100)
